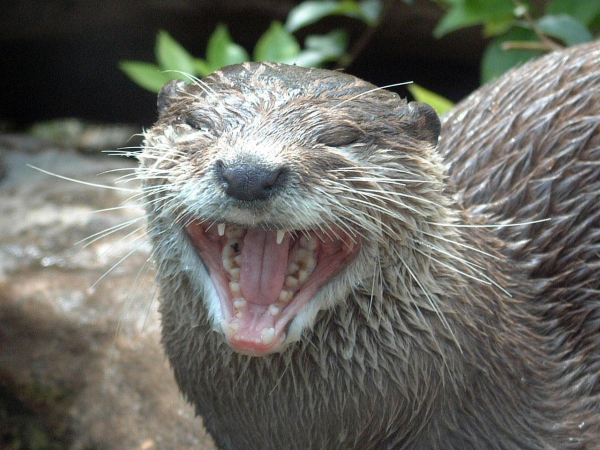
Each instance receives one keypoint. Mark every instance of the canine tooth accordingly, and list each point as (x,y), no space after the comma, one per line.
(291,282)
(267,335)
(239,315)
(285,296)
(234,287)
(274,309)
(221,229)
(239,302)
(303,276)
(280,236)
(235,274)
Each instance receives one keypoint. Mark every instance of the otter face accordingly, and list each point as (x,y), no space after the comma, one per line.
(264,183)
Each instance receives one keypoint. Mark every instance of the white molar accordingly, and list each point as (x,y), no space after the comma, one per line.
(285,296)
(239,302)
(267,335)
(291,282)
(274,309)
(301,255)
(308,242)
(235,289)
(292,268)
(303,276)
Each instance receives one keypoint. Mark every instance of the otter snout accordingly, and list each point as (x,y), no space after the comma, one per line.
(249,181)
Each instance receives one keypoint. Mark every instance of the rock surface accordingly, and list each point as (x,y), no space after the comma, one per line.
(80,359)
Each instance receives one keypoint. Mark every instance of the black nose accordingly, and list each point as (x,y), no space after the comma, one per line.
(249,181)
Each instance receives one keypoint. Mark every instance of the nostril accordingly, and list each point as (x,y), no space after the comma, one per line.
(249,181)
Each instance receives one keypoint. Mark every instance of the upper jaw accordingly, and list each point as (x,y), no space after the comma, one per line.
(264,279)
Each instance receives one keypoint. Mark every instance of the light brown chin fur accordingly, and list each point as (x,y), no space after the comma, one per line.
(444,332)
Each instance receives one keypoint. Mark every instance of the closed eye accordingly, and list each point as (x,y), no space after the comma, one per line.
(198,122)
(340,135)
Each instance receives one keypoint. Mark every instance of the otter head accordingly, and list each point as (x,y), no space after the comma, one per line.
(274,189)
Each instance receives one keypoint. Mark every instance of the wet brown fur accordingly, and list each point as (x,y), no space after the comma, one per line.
(425,349)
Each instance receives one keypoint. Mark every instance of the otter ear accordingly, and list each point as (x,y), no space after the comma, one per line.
(425,122)
(169,93)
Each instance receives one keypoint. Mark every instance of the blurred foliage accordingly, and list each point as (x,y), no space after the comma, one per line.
(518,31)
(439,103)
(277,44)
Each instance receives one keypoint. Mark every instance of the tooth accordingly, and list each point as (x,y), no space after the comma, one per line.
(285,296)
(291,282)
(310,264)
(308,242)
(227,264)
(293,268)
(230,329)
(228,249)
(280,236)
(238,260)
(301,255)
(303,276)
(239,315)
(234,287)
(239,302)
(221,229)
(235,274)
(234,232)
(274,309)
(267,335)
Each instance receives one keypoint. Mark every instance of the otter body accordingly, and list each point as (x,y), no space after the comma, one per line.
(325,279)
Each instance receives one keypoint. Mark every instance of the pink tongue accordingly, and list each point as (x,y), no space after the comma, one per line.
(264,263)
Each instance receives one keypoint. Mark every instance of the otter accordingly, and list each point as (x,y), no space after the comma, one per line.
(338,270)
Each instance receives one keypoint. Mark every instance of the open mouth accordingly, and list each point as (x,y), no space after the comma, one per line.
(265,277)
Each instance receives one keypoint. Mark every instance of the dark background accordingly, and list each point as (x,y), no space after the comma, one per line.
(60,57)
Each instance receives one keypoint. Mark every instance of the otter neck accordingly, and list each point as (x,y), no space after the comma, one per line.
(443,290)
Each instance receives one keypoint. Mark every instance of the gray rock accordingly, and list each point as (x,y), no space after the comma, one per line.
(82,357)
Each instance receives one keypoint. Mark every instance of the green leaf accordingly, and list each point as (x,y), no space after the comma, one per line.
(146,75)
(498,26)
(496,60)
(585,11)
(309,12)
(440,104)
(371,11)
(171,55)
(466,13)
(276,45)
(222,51)
(565,28)
(201,67)
(333,43)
